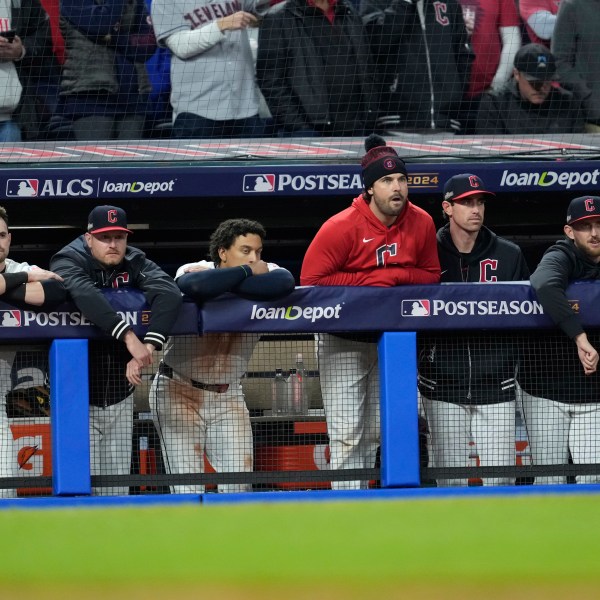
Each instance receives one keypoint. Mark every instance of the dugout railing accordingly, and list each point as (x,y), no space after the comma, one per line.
(397,313)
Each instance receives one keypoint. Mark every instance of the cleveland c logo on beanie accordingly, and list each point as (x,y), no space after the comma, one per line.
(379,161)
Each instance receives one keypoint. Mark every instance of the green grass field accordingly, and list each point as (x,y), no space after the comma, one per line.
(511,547)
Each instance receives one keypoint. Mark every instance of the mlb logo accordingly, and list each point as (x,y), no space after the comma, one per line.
(415,308)
(10,318)
(24,188)
(259,183)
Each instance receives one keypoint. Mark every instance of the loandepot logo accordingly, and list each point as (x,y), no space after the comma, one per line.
(135,187)
(566,179)
(293,313)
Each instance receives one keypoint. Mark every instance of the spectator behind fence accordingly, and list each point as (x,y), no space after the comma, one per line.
(531,102)
(197,397)
(467,382)
(494,27)
(423,59)
(24,286)
(101,259)
(315,70)
(104,85)
(540,18)
(213,85)
(575,44)
(52,8)
(39,71)
(11,50)
(381,240)
(561,397)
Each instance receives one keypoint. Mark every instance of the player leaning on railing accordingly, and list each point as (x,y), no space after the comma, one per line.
(561,396)
(196,395)
(21,284)
(101,259)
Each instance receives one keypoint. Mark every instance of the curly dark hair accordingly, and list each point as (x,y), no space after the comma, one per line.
(227,232)
(4,215)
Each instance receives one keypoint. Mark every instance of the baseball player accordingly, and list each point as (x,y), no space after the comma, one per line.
(468,381)
(196,395)
(213,87)
(383,240)
(561,384)
(98,259)
(21,284)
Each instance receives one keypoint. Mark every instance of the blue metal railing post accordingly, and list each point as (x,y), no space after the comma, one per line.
(399,410)
(69,399)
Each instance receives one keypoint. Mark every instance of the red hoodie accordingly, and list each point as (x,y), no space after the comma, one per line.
(355,248)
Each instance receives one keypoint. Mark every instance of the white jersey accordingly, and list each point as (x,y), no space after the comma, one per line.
(7,357)
(213,357)
(16,267)
(218,83)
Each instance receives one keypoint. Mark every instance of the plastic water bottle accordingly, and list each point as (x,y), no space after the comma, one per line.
(298,388)
(279,404)
(295,383)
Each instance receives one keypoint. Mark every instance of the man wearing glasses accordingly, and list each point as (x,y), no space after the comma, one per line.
(531,102)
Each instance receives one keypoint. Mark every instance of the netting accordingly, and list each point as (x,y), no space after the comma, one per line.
(242,412)
(25,440)
(80,70)
(506,408)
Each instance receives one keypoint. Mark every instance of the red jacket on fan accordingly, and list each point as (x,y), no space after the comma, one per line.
(354,248)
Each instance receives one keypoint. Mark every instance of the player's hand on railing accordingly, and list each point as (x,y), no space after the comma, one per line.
(135,366)
(260,267)
(587,354)
(138,350)
(41,275)
(134,372)
(238,20)
(195,269)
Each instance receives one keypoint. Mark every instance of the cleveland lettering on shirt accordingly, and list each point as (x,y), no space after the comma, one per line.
(211,12)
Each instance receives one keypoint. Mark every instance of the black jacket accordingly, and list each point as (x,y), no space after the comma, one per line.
(472,368)
(423,67)
(84,278)
(291,72)
(554,370)
(505,112)
(492,259)
(562,263)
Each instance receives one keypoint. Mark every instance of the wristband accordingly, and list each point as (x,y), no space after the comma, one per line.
(14,280)
(247,270)
(15,295)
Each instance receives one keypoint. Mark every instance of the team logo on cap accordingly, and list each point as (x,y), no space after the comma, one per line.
(416,308)
(389,164)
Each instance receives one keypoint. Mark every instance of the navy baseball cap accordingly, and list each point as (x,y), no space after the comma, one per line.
(463,185)
(584,207)
(536,62)
(107,218)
